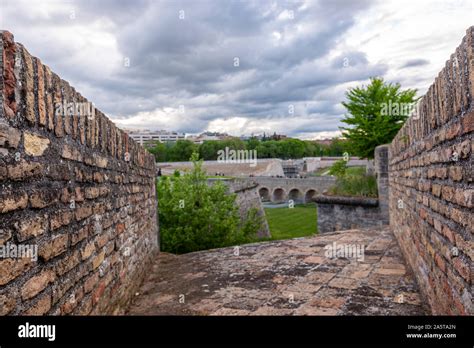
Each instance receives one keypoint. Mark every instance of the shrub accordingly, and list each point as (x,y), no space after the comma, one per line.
(339,168)
(352,181)
(196,216)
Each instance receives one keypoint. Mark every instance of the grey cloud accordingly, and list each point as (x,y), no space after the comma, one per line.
(412,63)
(189,61)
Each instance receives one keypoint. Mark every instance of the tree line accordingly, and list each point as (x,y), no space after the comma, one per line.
(375,114)
(182,150)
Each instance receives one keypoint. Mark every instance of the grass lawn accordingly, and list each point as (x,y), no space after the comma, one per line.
(285,223)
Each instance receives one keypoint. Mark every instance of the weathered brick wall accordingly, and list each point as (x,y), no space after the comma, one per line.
(74,186)
(431,186)
(337,213)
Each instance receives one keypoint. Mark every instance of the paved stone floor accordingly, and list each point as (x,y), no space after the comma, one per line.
(291,277)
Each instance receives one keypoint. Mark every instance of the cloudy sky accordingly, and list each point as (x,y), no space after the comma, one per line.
(239,67)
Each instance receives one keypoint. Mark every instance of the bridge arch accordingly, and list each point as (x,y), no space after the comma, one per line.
(296,195)
(278,195)
(264,194)
(309,195)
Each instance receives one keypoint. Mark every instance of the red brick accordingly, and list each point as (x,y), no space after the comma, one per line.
(462,268)
(83,212)
(91,192)
(12,201)
(447,193)
(76,237)
(31,227)
(29,87)
(464,149)
(448,233)
(91,282)
(79,194)
(41,307)
(468,120)
(455,173)
(41,93)
(98,259)
(436,190)
(7,303)
(441,173)
(99,291)
(43,198)
(36,284)
(67,263)
(53,247)
(12,268)
(453,131)
(24,170)
(61,218)
(9,136)
(88,250)
(49,98)
(440,263)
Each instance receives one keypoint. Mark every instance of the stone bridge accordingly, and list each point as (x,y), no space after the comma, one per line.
(300,190)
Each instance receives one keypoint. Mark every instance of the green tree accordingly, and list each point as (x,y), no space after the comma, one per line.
(181,151)
(196,216)
(252,143)
(158,150)
(291,148)
(375,115)
(339,168)
(208,150)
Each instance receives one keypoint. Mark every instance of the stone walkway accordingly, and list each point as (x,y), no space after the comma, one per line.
(291,277)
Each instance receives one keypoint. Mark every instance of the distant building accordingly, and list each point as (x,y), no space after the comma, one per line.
(275,136)
(142,136)
(324,141)
(199,139)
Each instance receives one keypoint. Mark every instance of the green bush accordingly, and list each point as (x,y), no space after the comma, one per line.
(196,216)
(339,168)
(361,185)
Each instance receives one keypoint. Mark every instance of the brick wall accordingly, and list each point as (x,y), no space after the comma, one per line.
(74,186)
(337,213)
(431,186)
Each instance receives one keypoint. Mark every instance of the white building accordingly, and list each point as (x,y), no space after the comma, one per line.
(142,136)
(199,139)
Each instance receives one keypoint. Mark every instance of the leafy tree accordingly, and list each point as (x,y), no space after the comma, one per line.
(196,216)
(181,150)
(337,147)
(252,143)
(159,150)
(375,115)
(291,148)
(339,168)
(208,150)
